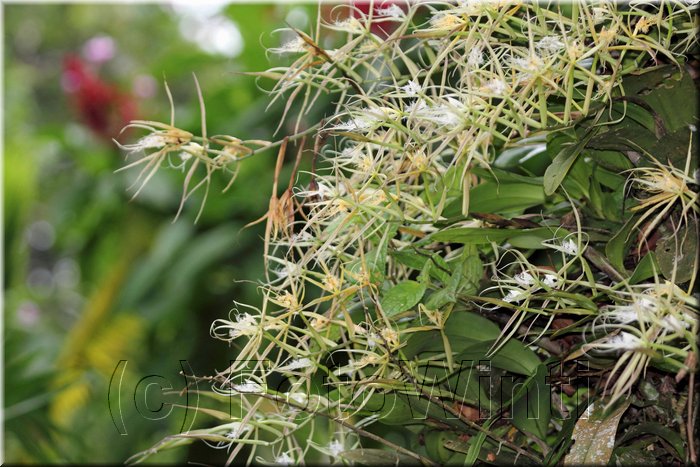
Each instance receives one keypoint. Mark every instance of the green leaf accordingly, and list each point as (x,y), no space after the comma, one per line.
(678,253)
(473,270)
(513,356)
(616,248)
(525,238)
(611,160)
(505,198)
(561,164)
(595,193)
(477,442)
(503,176)
(389,407)
(521,151)
(673,438)
(447,294)
(463,328)
(532,412)
(609,179)
(667,90)
(403,296)
(594,435)
(418,260)
(471,337)
(646,268)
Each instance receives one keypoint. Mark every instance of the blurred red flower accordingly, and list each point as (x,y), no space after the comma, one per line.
(103,107)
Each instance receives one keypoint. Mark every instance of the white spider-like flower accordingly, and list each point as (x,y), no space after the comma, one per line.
(373,339)
(288,270)
(296,364)
(335,448)
(419,160)
(448,114)
(416,107)
(236,429)
(625,315)
(351,25)
(248,386)
(445,21)
(189,149)
(673,324)
(296,45)
(303,236)
(600,14)
(360,123)
(475,57)
(527,67)
(569,247)
(445,116)
(284,459)
(641,310)
(496,87)
(549,45)
(411,88)
(348,369)
(515,295)
(566,245)
(158,140)
(322,191)
(550,280)
(245,325)
(152,141)
(524,279)
(298,397)
(624,341)
(393,11)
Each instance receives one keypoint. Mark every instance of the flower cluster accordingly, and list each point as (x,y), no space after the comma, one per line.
(356,265)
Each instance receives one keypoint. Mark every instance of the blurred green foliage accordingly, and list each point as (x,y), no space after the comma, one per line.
(92,277)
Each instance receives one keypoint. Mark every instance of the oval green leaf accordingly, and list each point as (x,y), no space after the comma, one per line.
(403,296)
